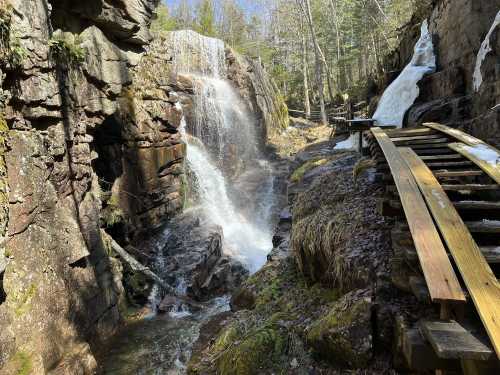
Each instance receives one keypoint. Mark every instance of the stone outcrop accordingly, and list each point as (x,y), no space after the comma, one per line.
(448,96)
(90,143)
(260,92)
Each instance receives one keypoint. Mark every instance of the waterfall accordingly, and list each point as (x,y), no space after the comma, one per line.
(222,149)
(403,92)
(483,52)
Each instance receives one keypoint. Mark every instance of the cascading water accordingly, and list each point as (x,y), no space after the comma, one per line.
(403,92)
(222,145)
(234,189)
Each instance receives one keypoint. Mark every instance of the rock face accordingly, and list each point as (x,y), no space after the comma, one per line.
(89,142)
(459,28)
(192,257)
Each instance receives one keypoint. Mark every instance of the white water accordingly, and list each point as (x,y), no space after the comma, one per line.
(221,143)
(244,240)
(483,52)
(403,92)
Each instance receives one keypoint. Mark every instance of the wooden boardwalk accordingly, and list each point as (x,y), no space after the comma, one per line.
(447,186)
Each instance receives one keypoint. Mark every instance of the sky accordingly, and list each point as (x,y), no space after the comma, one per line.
(250,6)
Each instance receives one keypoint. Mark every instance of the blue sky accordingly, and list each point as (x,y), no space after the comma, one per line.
(250,6)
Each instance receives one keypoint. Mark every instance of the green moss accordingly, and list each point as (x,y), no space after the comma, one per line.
(329,335)
(22,363)
(24,300)
(66,48)
(258,349)
(299,173)
(112,214)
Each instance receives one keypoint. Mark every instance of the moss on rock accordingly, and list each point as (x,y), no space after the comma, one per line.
(344,336)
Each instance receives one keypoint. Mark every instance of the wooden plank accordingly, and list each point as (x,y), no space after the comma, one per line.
(484,226)
(454,133)
(451,340)
(477,205)
(438,272)
(484,156)
(423,141)
(416,138)
(409,132)
(465,173)
(481,283)
(450,164)
(469,187)
(428,146)
(441,157)
(433,151)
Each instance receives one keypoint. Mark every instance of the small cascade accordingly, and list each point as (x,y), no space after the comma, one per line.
(403,92)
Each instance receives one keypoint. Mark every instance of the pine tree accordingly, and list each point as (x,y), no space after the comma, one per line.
(205,18)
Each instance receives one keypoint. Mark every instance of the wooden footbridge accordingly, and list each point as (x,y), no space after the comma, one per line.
(443,186)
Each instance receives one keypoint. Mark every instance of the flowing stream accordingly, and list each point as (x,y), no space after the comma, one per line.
(231,185)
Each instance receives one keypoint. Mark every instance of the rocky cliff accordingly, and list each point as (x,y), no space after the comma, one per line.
(89,141)
(459,28)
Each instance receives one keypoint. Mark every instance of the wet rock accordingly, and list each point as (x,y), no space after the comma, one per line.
(344,335)
(193,256)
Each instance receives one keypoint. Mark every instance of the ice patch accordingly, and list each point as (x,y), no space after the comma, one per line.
(403,92)
(439,198)
(477,79)
(484,152)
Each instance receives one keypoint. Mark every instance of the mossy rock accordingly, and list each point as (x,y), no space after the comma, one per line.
(256,350)
(344,335)
(299,173)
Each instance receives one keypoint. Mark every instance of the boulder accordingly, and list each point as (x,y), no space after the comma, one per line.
(344,335)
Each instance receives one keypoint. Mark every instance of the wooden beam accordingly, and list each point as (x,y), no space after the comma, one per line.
(454,133)
(484,156)
(416,138)
(428,146)
(423,141)
(441,157)
(465,173)
(451,340)
(469,187)
(484,226)
(481,283)
(438,272)
(477,205)
(409,132)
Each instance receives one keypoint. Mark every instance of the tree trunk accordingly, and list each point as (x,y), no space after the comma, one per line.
(319,61)
(307,102)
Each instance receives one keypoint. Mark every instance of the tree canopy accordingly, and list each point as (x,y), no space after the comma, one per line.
(352,37)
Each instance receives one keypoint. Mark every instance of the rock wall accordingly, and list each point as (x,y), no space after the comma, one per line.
(259,90)
(448,96)
(90,143)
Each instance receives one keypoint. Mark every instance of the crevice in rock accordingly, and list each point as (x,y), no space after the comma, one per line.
(3,295)
(108,145)
(80,263)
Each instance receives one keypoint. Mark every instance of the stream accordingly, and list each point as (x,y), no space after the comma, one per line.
(232,190)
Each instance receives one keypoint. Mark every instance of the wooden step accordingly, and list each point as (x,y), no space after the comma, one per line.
(428,146)
(490,253)
(462,173)
(469,187)
(484,226)
(416,138)
(441,157)
(409,132)
(419,354)
(434,151)
(477,205)
(479,278)
(426,142)
(449,164)
(451,340)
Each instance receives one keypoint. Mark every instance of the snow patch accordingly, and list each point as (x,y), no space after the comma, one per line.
(484,152)
(477,79)
(403,92)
